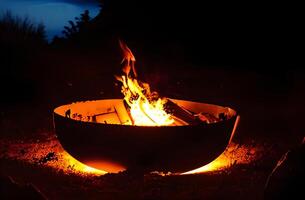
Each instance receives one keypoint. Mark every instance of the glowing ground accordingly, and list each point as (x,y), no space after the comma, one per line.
(49,153)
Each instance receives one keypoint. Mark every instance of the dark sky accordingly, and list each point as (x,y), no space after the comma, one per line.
(53,13)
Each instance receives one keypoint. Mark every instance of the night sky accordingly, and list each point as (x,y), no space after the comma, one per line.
(54,14)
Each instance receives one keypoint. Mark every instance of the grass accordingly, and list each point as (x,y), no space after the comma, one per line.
(20,29)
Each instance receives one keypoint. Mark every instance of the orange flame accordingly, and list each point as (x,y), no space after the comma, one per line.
(146,108)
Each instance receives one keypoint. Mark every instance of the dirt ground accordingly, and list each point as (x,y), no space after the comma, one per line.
(270,104)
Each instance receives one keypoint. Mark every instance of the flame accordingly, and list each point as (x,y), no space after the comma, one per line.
(146,108)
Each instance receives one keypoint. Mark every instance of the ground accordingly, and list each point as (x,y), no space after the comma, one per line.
(269,103)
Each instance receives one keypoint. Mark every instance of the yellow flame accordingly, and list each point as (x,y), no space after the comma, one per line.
(146,108)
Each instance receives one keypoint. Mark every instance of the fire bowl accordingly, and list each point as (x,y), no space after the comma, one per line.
(94,133)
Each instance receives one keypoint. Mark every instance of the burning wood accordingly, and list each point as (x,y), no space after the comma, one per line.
(111,136)
(181,115)
(161,132)
(147,108)
(143,107)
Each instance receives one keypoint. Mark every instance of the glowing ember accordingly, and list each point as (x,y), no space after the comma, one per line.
(146,108)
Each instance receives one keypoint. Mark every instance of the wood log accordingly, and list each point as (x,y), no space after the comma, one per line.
(181,113)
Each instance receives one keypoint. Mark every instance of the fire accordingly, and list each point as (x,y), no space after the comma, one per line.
(146,107)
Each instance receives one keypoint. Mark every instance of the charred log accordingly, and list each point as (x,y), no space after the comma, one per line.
(181,113)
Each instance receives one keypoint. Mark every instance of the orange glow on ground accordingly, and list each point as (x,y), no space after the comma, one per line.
(107,166)
(80,167)
(38,152)
(234,154)
(47,153)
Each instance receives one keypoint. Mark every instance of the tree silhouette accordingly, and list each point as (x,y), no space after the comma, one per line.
(17,29)
(76,27)
(21,40)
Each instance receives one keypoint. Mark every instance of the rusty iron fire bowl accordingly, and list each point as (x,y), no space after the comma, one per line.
(159,148)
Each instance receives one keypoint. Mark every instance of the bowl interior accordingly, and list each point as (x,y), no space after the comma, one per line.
(112,111)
